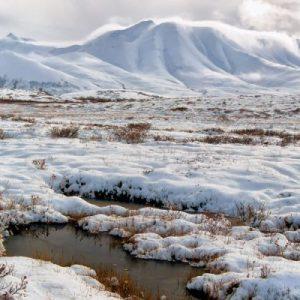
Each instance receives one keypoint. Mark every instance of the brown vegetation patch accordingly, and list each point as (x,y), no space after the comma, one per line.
(23,119)
(225,139)
(163,138)
(70,131)
(214,130)
(286,138)
(6,116)
(179,108)
(133,133)
(250,214)
(122,284)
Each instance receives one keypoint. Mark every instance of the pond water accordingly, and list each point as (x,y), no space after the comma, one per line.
(128,205)
(64,244)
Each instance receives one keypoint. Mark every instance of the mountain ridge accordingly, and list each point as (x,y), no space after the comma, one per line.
(162,57)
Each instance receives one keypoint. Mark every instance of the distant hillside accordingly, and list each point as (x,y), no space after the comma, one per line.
(158,57)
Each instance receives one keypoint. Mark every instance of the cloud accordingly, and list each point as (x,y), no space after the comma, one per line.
(275,15)
(72,20)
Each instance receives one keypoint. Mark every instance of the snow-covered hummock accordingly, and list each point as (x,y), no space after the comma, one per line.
(34,214)
(164,57)
(50,281)
(283,284)
(244,258)
(120,222)
(168,235)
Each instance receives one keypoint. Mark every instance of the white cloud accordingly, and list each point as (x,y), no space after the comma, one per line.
(283,15)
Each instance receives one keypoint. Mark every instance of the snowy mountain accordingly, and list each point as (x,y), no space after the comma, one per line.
(159,57)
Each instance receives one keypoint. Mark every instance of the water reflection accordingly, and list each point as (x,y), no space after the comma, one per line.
(65,245)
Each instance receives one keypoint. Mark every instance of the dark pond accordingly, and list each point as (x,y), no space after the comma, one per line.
(68,245)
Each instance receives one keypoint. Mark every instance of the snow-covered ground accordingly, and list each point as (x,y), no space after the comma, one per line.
(35,279)
(195,157)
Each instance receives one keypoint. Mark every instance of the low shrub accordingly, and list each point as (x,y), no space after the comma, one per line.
(122,284)
(286,138)
(179,108)
(250,214)
(70,131)
(11,290)
(133,133)
(225,139)
(164,138)
(23,119)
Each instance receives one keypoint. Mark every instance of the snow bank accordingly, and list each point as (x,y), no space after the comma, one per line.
(282,284)
(46,280)
(151,220)
(38,214)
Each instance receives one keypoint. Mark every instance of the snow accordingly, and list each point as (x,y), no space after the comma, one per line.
(278,286)
(50,281)
(20,67)
(184,175)
(162,57)
(180,174)
(244,257)
(36,214)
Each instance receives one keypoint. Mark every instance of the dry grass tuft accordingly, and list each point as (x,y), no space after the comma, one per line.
(133,133)
(11,290)
(213,130)
(286,138)
(39,164)
(23,119)
(251,131)
(179,108)
(164,138)
(70,131)
(3,135)
(265,271)
(122,284)
(251,215)
(225,139)
(290,139)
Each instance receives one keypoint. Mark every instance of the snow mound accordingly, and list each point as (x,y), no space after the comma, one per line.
(49,281)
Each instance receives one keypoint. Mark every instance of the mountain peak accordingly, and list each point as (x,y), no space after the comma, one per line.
(12,36)
(140,26)
(144,23)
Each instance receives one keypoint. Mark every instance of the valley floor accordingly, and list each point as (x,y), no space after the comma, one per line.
(223,173)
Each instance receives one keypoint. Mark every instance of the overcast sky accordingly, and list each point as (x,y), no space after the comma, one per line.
(72,20)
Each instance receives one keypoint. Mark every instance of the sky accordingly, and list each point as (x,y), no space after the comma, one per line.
(74,20)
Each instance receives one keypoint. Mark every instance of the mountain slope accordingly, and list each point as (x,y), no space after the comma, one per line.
(164,57)
(199,54)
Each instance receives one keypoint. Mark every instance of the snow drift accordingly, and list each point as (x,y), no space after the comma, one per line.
(161,57)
